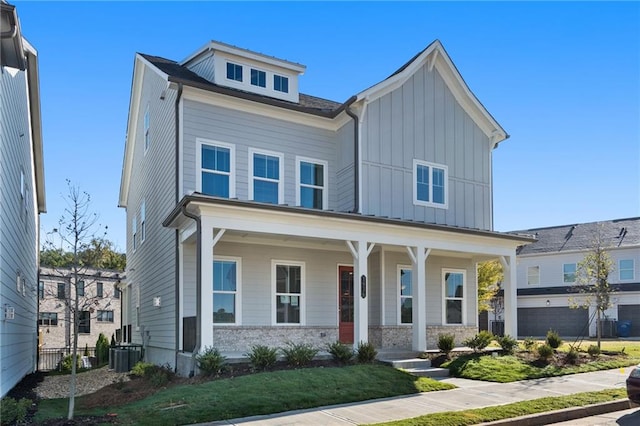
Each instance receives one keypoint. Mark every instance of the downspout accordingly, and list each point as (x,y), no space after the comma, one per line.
(196,349)
(177,234)
(356,156)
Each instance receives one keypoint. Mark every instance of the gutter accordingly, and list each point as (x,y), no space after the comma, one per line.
(196,349)
(356,156)
(177,233)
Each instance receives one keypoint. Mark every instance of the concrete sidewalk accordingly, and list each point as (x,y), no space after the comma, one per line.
(469,394)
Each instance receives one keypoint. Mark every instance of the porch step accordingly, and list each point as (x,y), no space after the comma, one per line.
(410,363)
(428,372)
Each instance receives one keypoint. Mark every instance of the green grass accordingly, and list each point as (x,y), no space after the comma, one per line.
(517,409)
(262,393)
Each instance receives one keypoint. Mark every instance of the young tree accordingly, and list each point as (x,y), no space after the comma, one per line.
(489,276)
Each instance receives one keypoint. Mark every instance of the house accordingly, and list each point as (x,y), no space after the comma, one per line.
(99,306)
(546,276)
(257,214)
(22,199)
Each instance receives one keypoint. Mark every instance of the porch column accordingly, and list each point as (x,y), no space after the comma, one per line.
(361,286)
(418,257)
(510,288)
(206,299)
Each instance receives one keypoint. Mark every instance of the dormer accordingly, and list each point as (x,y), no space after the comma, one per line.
(242,69)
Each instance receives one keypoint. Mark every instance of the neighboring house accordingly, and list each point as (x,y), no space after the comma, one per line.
(547,274)
(260,215)
(22,199)
(99,306)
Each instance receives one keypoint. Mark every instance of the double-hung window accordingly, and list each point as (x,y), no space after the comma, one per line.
(99,290)
(258,78)
(105,316)
(226,280)
(626,269)
(430,184)
(147,125)
(48,318)
(266,183)
(569,273)
(216,162)
(116,291)
(454,284)
(61,291)
(288,282)
(405,276)
(311,182)
(80,288)
(280,83)
(41,290)
(533,275)
(143,222)
(84,322)
(234,71)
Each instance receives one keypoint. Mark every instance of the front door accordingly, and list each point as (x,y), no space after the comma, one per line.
(345,304)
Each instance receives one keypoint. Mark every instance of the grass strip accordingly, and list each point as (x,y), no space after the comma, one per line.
(261,393)
(509,411)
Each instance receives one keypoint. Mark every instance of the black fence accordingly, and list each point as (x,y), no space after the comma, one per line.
(51,358)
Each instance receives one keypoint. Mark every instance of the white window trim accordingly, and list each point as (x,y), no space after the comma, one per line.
(417,202)
(143,223)
(146,124)
(303,311)
(244,70)
(574,274)
(286,77)
(400,296)
(232,160)
(633,270)
(325,177)
(528,268)
(238,292)
(266,77)
(252,152)
(445,298)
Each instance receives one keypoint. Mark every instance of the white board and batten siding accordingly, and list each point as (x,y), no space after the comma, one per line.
(422,120)
(19,223)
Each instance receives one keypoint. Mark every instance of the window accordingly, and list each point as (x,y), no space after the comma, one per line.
(312,183)
(143,222)
(116,292)
(569,272)
(234,71)
(41,290)
(105,316)
(267,171)
(289,285)
(23,185)
(99,290)
(429,184)
(626,269)
(84,322)
(134,233)
(18,283)
(80,288)
(454,283)
(47,318)
(258,78)
(280,83)
(225,291)
(24,287)
(147,137)
(61,290)
(533,275)
(217,168)
(405,276)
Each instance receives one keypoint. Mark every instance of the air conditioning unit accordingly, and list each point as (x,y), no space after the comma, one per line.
(9,312)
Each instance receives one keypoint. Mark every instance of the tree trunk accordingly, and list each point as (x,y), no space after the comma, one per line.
(74,356)
(598,327)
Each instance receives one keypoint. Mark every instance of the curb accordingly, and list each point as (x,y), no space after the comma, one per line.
(566,414)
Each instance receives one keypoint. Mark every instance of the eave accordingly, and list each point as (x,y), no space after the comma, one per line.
(33,80)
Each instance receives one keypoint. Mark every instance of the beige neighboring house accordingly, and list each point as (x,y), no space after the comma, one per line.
(99,306)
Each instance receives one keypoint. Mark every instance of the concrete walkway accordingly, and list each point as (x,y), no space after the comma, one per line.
(469,394)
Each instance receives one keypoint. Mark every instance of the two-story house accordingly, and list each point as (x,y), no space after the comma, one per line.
(22,199)
(546,274)
(257,214)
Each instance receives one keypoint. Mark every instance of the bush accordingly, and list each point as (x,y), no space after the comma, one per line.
(446,343)
(86,350)
(298,354)
(545,351)
(340,352)
(102,349)
(211,362)
(366,353)
(594,351)
(507,343)
(141,368)
(572,355)
(553,339)
(529,344)
(158,376)
(67,363)
(14,411)
(262,357)
(479,341)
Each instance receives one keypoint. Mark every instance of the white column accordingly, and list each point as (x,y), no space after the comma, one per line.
(418,257)
(510,288)
(206,301)
(361,290)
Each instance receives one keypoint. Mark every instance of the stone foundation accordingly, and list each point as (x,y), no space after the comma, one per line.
(401,337)
(240,339)
(460,333)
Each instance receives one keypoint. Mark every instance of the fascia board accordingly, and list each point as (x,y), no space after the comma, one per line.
(571,252)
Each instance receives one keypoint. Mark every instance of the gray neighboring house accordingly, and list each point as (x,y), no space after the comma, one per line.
(22,199)
(260,215)
(546,274)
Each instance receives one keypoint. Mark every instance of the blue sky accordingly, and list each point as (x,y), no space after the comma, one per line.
(562,78)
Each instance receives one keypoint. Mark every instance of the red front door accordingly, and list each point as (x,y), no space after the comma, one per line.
(345,304)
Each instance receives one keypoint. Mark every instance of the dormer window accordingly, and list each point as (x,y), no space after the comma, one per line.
(280,83)
(258,78)
(234,71)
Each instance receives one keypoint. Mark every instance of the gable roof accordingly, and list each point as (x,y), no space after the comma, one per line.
(580,237)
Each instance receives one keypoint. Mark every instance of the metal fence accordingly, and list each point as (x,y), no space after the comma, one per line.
(51,358)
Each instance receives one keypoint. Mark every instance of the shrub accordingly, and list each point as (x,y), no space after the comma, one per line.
(211,362)
(366,353)
(141,368)
(86,350)
(262,357)
(298,354)
(529,344)
(479,341)
(102,349)
(158,376)
(446,343)
(14,411)
(340,352)
(572,355)
(594,351)
(545,351)
(553,339)
(67,363)
(507,343)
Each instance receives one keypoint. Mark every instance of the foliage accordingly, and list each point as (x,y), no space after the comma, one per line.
(67,363)
(14,411)
(490,274)
(340,352)
(158,376)
(446,343)
(86,349)
(211,362)
(99,253)
(140,369)
(366,353)
(553,339)
(262,357)
(507,343)
(572,355)
(594,351)
(56,258)
(479,341)
(545,351)
(102,349)
(298,354)
(529,344)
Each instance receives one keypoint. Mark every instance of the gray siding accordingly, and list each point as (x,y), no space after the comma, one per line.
(374,289)
(18,234)
(345,178)
(422,120)
(204,67)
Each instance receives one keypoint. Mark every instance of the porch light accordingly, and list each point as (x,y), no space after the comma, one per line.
(548,303)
